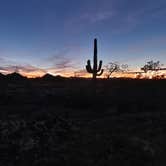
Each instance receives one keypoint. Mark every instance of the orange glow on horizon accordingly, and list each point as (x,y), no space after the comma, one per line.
(87,75)
(84,74)
(34,74)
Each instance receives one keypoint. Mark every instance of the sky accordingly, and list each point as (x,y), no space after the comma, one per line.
(56,36)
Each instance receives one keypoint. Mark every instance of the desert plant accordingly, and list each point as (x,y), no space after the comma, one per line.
(152,66)
(96,70)
(114,67)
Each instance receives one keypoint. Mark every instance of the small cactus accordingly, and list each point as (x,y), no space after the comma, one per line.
(96,70)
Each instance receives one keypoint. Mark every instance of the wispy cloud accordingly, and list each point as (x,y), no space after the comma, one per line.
(148,44)
(21,68)
(128,21)
(96,16)
(64,64)
(64,67)
(81,73)
(118,19)
(5,61)
(65,59)
(24,69)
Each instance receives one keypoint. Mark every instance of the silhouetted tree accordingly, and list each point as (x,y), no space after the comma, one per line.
(113,67)
(96,70)
(151,66)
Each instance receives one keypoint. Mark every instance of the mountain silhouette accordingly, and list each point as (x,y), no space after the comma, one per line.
(2,76)
(59,77)
(50,77)
(15,76)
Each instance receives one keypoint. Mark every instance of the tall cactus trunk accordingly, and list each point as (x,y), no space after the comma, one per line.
(95,55)
(96,69)
(95,59)
(94,76)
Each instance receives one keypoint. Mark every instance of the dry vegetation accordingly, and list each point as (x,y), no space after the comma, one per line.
(62,122)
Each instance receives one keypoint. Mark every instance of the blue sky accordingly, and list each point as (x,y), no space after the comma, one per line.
(57,35)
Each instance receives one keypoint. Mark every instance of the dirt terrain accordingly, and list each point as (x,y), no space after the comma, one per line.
(68,122)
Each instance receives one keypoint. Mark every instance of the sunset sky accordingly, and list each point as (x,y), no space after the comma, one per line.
(56,36)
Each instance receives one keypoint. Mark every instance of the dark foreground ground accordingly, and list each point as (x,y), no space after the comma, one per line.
(64,122)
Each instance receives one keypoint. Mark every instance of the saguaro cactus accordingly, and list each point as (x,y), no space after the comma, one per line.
(96,70)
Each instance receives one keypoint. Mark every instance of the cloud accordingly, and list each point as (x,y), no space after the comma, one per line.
(60,62)
(130,20)
(59,55)
(26,70)
(64,64)
(64,67)
(67,58)
(117,16)
(62,72)
(81,73)
(148,44)
(97,16)
(5,61)
(61,65)
(29,68)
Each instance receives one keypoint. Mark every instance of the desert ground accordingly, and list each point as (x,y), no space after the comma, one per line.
(69,121)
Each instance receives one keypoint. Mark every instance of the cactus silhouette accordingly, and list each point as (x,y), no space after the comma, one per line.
(96,70)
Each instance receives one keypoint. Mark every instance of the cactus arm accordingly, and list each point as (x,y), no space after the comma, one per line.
(88,63)
(88,67)
(101,72)
(100,65)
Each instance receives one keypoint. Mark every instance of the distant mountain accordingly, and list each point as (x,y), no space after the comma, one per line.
(48,77)
(59,77)
(51,77)
(2,76)
(15,76)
